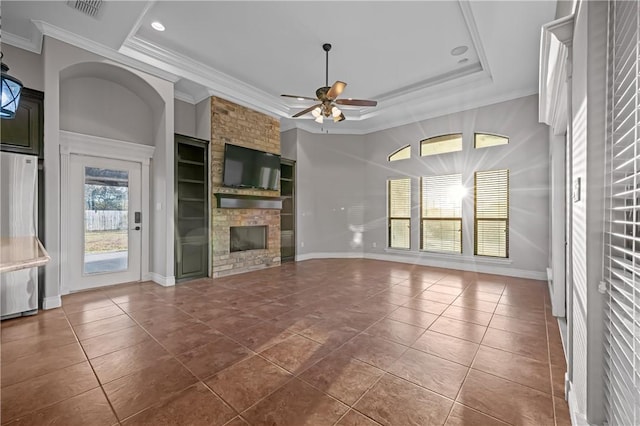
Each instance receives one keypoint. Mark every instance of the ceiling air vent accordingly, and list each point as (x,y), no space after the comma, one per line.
(88,7)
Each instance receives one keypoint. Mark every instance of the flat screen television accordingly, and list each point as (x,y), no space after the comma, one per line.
(250,168)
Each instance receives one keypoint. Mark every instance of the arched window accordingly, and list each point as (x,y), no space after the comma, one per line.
(401,154)
(485,140)
(441,144)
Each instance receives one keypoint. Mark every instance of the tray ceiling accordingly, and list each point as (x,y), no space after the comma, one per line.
(398,53)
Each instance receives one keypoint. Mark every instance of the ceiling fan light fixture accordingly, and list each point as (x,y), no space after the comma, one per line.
(328,98)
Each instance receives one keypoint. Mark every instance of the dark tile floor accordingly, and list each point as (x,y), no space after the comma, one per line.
(320,342)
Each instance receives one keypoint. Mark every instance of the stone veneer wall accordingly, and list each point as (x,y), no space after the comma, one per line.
(237,125)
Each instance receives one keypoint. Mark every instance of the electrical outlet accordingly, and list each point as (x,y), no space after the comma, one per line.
(301,244)
(374,245)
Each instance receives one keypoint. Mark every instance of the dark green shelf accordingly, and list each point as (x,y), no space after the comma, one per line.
(191,208)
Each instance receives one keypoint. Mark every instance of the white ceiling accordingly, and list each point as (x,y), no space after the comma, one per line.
(395,52)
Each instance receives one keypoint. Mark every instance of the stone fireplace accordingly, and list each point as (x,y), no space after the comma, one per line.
(240,208)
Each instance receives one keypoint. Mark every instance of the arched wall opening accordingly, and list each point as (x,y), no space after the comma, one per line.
(90,95)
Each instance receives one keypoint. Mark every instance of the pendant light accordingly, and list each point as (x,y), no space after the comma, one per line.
(11,89)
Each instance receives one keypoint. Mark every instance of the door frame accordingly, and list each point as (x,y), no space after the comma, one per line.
(79,278)
(96,146)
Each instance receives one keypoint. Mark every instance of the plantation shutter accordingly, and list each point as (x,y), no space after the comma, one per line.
(492,213)
(622,233)
(441,213)
(400,213)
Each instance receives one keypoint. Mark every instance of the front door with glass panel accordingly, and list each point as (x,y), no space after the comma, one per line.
(104,223)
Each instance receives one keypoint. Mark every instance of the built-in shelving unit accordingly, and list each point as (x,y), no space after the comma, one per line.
(288,213)
(191,207)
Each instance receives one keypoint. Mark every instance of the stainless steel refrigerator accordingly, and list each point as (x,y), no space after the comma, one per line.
(18,218)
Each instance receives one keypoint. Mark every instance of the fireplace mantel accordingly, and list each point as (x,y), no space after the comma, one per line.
(240,201)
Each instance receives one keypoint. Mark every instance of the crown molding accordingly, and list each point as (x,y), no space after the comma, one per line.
(184,97)
(228,87)
(443,94)
(392,112)
(286,125)
(136,25)
(428,111)
(554,71)
(433,81)
(219,83)
(467,14)
(73,39)
(441,109)
(34,44)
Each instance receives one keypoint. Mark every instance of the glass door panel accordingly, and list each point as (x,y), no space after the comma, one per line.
(106,220)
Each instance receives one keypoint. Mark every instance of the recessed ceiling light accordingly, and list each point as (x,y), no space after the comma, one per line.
(157,26)
(300,99)
(457,51)
(463,60)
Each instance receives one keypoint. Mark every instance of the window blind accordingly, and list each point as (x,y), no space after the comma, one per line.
(400,213)
(491,216)
(622,233)
(441,213)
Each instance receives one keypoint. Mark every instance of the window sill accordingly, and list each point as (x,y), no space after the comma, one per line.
(447,256)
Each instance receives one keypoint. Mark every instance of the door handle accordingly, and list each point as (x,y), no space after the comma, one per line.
(137,228)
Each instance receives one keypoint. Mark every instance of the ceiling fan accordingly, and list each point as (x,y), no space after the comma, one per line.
(328,98)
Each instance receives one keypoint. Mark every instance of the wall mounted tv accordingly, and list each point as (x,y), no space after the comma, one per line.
(250,168)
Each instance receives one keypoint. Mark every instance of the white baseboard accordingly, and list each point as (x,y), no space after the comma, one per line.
(463,265)
(160,279)
(577,418)
(322,255)
(484,267)
(51,302)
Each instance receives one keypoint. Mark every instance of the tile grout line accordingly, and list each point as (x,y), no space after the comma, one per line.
(93,370)
(203,381)
(455,399)
(77,341)
(295,375)
(360,332)
(175,357)
(162,400)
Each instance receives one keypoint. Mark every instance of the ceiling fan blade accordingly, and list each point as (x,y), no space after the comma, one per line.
(357,102)
(336,89)
(304,111)
(300,98)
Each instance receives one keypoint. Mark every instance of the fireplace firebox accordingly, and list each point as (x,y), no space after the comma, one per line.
(245,238)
